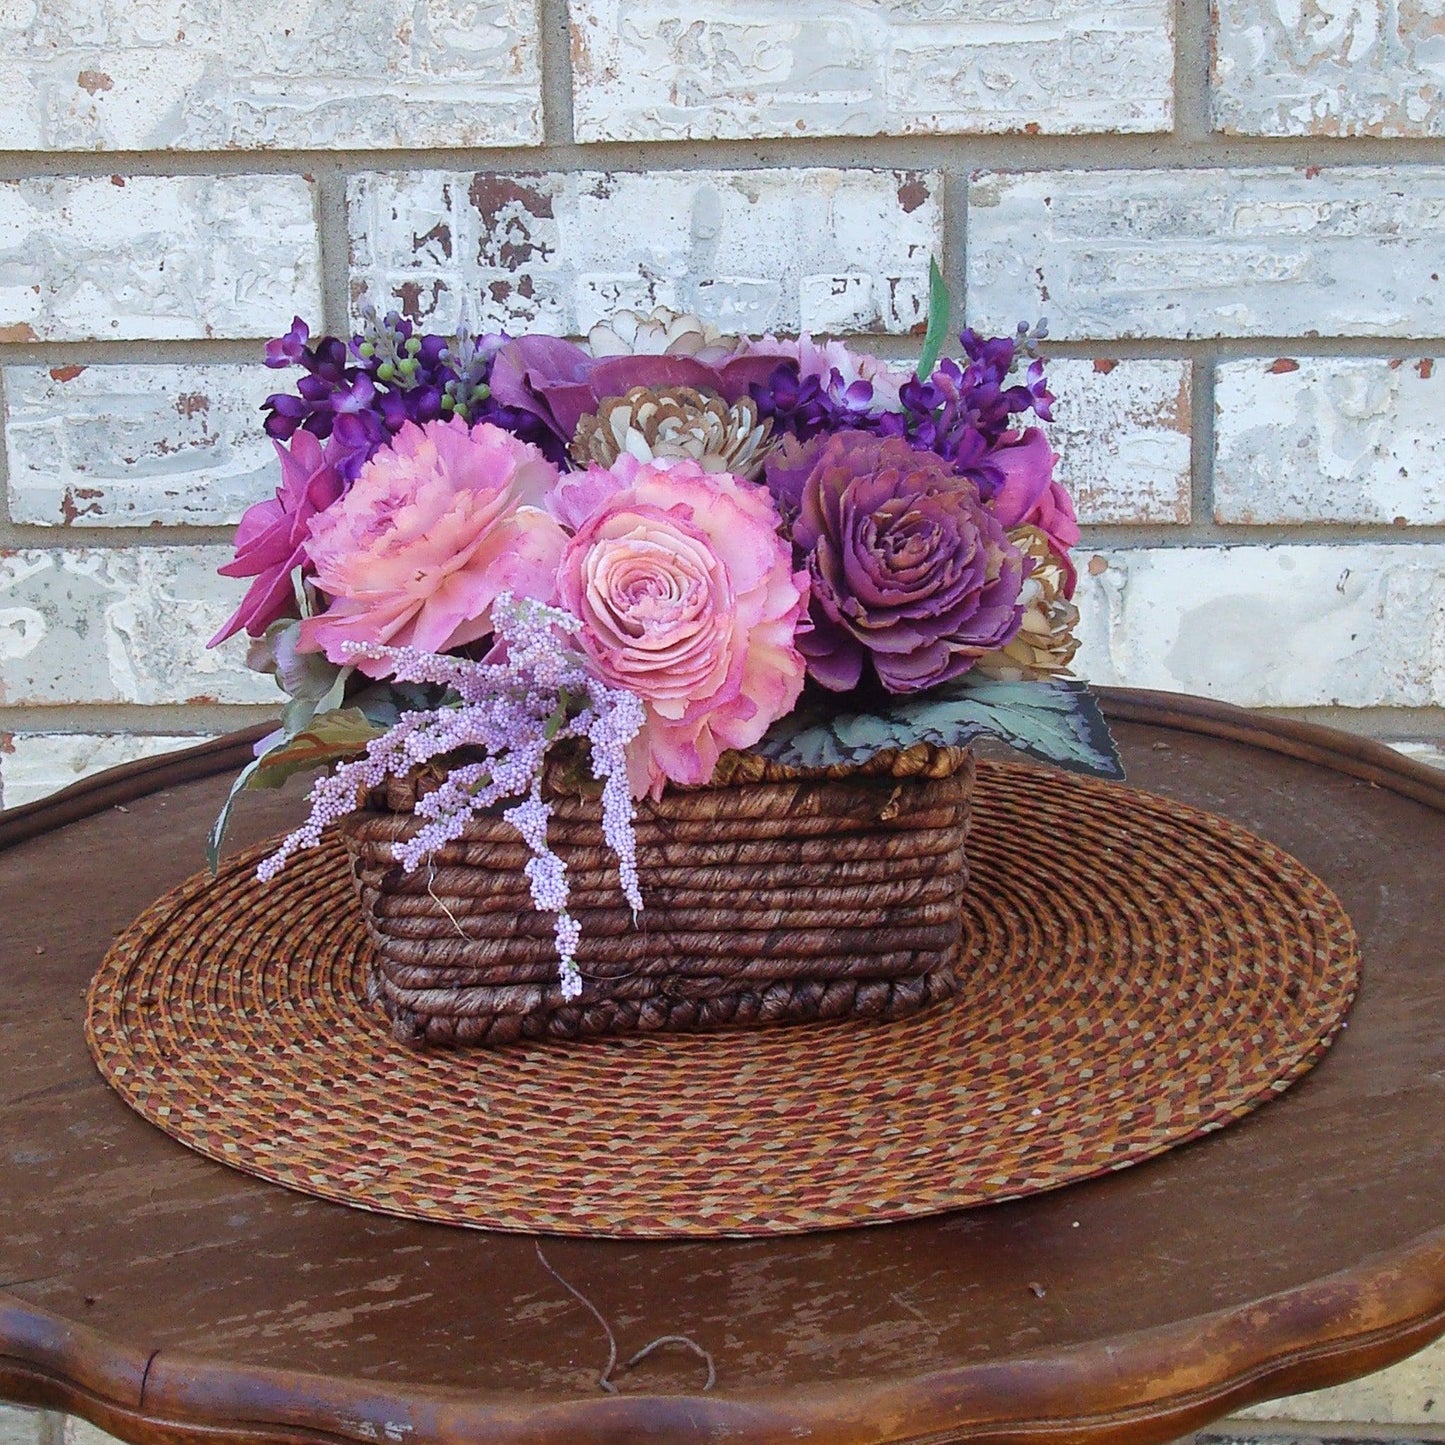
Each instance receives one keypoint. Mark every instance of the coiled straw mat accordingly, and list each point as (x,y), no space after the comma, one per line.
(1136,973)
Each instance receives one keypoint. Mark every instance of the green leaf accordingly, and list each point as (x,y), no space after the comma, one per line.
(217,835)
(1056,722)
(939,305)
(298,674)
(333,736)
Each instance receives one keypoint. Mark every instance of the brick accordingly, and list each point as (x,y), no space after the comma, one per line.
(830,250)
(21,1427)
(124,446)
(210,75)
(1420,750)
(1348,251)
(1410,1393)
(34,765)
(1281,68)
(869,67)
(1121,429)
(1269,626)
(82,1432)
(156,257)
(1339,439)
(123,625)
(1243,1436)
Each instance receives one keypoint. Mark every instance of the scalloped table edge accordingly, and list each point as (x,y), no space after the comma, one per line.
(1279,1344)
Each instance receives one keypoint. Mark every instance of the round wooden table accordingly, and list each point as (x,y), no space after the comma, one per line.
(168,1298)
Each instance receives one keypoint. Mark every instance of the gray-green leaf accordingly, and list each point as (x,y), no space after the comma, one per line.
(217,835)
(331,737)
(1057,722)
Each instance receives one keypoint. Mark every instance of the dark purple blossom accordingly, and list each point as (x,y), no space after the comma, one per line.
(361,395)
(806,406)
(911,573)
(963,410)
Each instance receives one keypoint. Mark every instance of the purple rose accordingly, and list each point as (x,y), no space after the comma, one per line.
(909,569)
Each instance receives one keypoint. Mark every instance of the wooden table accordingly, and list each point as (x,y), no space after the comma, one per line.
(167,1298)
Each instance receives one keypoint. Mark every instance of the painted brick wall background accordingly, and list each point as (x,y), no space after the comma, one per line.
(1232,214)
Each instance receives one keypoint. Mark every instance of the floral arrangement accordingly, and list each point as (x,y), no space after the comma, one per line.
(646,551)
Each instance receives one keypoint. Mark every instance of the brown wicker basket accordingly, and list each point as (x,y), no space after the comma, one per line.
(771,896)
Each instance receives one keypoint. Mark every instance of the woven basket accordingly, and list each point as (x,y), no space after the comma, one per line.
(771,896)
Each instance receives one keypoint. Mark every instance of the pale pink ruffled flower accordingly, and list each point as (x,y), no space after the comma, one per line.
(687,598)
(436,526)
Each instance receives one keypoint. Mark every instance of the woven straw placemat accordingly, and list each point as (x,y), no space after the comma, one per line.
(1137,973)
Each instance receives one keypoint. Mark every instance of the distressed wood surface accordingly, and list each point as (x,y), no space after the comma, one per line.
(169,1299)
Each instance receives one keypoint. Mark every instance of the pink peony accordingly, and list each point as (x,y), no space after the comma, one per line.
(687,597)
(1029,495)
(271,540)
(435,526)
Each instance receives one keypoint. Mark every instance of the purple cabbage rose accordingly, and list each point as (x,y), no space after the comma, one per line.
(910,571)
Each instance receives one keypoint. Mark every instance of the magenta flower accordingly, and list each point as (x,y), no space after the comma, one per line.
(436,526)
(910,571)
(271,539)
(1030,497)
(687,598)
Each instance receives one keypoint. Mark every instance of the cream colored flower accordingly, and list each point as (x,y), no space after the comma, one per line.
(664,332)
(675,423)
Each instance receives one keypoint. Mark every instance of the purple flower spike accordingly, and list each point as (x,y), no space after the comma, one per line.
(289,349)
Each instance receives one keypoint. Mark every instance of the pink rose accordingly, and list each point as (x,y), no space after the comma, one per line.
(271,540)
(1029,495)
(688,598)
(435,526)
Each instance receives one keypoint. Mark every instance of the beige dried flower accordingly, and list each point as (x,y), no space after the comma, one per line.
(676,422)
(664,332)
(1045,644)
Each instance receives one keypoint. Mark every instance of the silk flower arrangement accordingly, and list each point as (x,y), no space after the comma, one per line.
(518,587)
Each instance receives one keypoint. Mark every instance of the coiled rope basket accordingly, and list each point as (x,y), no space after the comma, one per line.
(773,895)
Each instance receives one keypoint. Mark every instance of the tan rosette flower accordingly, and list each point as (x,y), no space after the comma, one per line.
(1045,644)
(676,423)
(664,332)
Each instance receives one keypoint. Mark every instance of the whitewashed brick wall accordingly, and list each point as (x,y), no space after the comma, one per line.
(1244,303)
(1232,213)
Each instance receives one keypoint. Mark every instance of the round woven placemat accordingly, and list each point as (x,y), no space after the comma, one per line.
(1137,973)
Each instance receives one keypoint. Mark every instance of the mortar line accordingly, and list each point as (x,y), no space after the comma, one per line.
(1193,43)
(554,59)
(334,238)
(1201,441)
(1156,150)
(140,719)
(5,521)
(247,352)
(26,536)
(953,241)
(1205,532)
(143,720)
